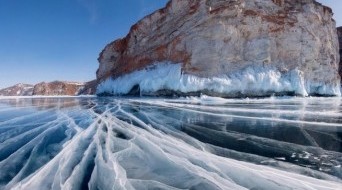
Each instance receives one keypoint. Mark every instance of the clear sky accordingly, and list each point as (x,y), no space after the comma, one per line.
(46,40)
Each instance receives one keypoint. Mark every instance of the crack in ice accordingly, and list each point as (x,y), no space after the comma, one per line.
(120,143)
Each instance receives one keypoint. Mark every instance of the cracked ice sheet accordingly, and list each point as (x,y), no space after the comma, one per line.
(198,143)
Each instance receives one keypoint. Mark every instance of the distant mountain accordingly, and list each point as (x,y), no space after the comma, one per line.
(55,88)
(17,90)
(58,88)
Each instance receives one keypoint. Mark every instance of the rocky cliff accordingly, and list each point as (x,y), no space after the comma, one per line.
(339,33)
(17,90)
(228,48)
(57,88)
(89,88)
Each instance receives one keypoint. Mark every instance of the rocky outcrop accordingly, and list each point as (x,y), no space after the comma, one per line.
(58,88)
(294,39)
(339,33)
(17,90)
(89,88)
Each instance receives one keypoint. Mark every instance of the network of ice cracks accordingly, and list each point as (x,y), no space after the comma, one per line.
(184,143)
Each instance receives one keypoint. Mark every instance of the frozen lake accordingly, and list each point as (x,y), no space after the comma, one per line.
(183,143)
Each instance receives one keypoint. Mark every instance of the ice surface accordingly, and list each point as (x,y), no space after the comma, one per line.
(252,81)
(184,143)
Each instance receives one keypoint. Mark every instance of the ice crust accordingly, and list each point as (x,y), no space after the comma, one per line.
(252,81)
(150,144)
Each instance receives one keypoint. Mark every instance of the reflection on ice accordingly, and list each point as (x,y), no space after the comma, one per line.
(185,143)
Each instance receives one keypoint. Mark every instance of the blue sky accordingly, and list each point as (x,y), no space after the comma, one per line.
(46,40)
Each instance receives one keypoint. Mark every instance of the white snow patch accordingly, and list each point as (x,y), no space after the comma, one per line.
(252,81)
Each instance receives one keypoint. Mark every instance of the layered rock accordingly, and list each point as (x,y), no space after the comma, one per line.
(89,88)
(339,33)
(220,38)
(58,88)
(17,90)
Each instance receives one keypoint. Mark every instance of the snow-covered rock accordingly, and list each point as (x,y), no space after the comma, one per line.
(17,90)
(216,39)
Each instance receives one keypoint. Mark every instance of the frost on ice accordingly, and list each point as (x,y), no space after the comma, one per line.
(185,143)
(252,81)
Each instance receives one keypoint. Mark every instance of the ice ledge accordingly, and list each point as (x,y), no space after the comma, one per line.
(168,79)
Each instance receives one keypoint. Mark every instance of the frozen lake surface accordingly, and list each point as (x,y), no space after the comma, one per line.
(183,143)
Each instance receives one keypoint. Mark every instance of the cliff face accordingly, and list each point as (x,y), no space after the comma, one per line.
(89,88)
(17,90)
(58,88)
(339,33)
(214,38)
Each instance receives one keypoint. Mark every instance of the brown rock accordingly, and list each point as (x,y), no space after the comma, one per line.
(215,37)
(89,88)
(58,88)
(17,90)
(339,33)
